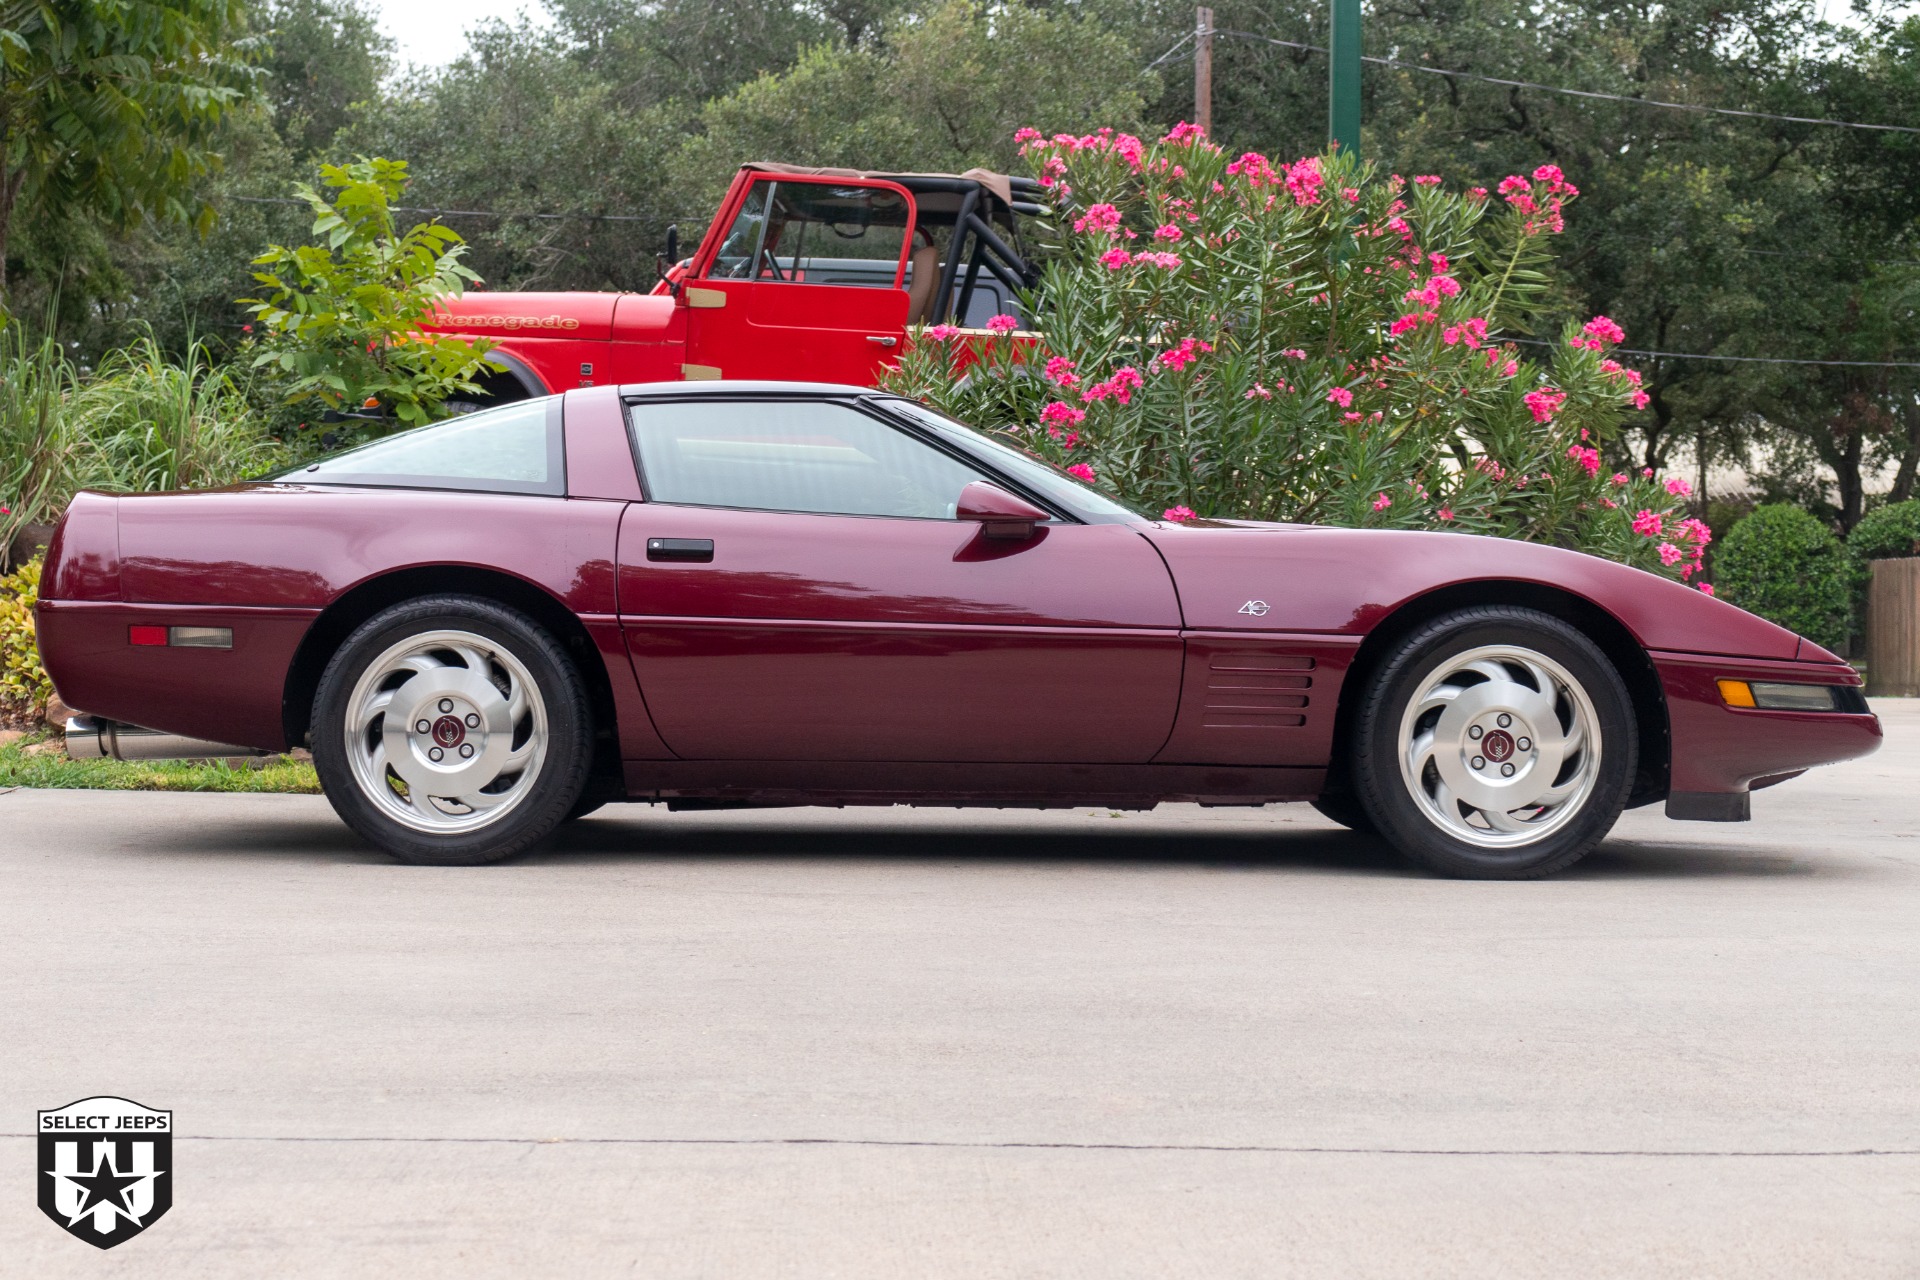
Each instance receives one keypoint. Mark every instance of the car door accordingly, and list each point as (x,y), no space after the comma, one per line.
(761,307)
(796,587)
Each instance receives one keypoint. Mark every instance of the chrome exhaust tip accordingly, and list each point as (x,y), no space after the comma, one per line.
(97,738)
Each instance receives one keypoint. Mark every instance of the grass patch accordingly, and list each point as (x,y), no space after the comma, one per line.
(281,774)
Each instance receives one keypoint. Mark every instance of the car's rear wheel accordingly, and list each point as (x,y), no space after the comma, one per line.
(1494,743)
(452,731)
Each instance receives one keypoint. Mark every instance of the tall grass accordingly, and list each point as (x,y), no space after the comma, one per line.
(38,453)
(150,424)
(141,422)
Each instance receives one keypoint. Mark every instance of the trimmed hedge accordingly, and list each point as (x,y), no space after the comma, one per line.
(1786,566)
(1891,532)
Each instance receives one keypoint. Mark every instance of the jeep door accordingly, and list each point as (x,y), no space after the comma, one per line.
(761,304)
(797,587)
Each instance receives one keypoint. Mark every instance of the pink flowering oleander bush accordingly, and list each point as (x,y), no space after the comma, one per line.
(1316,341)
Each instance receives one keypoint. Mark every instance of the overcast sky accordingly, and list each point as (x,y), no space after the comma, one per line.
(433,32)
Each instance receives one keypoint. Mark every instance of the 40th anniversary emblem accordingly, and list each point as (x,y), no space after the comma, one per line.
(106,1168)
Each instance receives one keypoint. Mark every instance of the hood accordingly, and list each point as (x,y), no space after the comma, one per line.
(1318,579)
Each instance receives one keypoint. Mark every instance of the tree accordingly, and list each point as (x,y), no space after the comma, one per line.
(108,108)
(344,315)
(326,58)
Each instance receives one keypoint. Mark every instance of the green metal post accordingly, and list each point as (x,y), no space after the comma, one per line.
(1343,77)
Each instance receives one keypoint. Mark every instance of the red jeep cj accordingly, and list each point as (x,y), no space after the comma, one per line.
(810,274)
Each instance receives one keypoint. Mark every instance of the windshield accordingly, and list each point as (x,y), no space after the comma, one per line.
(1085,500)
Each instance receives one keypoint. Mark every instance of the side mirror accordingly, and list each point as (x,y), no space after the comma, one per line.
(1001,515)
(664,263)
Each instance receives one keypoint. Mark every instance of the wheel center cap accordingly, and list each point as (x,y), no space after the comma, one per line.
(448,731)
(1497,746)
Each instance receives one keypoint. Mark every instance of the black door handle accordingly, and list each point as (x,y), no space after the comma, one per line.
(699,550)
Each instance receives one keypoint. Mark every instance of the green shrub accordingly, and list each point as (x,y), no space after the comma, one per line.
(1891,532)
(1786,566)
(1319,342)
(24,687)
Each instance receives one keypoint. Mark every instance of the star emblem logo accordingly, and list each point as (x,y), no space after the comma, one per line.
(105,1168)
(105,1187)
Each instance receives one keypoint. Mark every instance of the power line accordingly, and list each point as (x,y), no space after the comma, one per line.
(1169,53)
(470,213)
(1577,93)
(1693,355)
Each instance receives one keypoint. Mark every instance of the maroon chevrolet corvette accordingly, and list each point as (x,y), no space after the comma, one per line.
(754,594)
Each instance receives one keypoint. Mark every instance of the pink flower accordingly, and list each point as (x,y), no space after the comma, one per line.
(1620,477)
(1061,414)
(1548,173)
(1340,396)
(1669,553)
(1184,134)
(1382,502)
(246,328)
(1605,330)
(1170,261)
(1258,392)
(1678,488)
(1060,372)
(1513,184)
(1588,458)
(1647,523)
(1115,258)
(1294,353)
(941,332)
(1101,219)
(1350,194)
(1002,324)
(1427,180)
(1304,180)
(1179,515)
(1028,134)
(1706,588)
(1167,231)
(1544,403)
(1120,386)
(1510,368)
(1641,399)
(1082,471)
(1646,472)
(1444,513)
(1183,355)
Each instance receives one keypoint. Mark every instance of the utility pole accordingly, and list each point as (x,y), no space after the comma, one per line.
(1203,70)
(1343,77)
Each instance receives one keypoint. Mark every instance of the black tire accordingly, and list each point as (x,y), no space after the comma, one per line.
(543,794)
(585,805)
(1344,808)
(1422,818)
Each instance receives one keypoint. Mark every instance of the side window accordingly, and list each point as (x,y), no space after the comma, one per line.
(815,233)
(517,448)
(792,455)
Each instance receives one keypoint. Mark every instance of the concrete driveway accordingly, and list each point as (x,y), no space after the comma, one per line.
(1200,1043)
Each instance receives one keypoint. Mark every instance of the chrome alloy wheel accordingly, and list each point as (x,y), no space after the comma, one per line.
(446,732)
(1500,747)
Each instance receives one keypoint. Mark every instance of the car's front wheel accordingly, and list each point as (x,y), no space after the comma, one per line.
(453,731)
(1494,743)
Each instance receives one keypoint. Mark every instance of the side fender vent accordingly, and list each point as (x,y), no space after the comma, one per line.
(1258,691)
